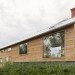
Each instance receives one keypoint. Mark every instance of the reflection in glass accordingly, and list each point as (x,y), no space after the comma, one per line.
(9,49)
(1,60)
(54,45)
(2,51)
(6,59)
(23,48)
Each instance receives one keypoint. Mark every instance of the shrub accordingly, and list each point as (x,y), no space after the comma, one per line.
(37,69)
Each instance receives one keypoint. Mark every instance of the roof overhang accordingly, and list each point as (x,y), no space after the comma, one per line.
(61,25)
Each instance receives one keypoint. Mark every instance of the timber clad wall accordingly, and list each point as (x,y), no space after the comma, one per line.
(69,44)
(74,41)
(35,49)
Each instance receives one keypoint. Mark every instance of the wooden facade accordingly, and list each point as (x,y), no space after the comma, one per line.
(35,48)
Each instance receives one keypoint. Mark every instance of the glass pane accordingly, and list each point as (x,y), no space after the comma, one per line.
(0,60)
(6,59)
(54,45)
(2,51)
(23,48)
(9,49)
(56,52)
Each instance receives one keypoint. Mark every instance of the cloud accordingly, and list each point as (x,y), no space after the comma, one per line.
(20,18)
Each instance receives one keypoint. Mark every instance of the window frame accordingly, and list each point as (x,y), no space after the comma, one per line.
(2,50)
(6,57)
(2,60)
(9,50)
(19,49)
(43,45)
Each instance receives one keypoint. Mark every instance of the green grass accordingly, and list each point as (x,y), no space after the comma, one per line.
(38,69)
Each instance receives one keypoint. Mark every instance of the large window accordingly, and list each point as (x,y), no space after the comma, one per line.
(54,45)
(23,48)
(1,60)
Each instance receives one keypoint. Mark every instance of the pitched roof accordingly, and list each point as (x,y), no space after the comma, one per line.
(59,25)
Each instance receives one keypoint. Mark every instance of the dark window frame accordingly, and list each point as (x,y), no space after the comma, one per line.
(2,50)
(43,45)
(26,50)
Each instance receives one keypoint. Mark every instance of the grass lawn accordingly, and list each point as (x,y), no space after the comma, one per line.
(38,69)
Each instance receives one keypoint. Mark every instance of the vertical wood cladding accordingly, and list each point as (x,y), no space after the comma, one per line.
(35,49)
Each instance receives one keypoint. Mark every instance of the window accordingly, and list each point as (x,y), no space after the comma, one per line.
(1,60)
(23,48)
(2,51)
(54,45)
(6,59)
(9,49)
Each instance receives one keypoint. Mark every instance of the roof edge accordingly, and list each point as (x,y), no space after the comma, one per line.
(62,25)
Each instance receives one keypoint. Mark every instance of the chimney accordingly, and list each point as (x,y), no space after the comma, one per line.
(73,12)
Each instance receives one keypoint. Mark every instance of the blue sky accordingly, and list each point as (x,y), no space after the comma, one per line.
(20,18)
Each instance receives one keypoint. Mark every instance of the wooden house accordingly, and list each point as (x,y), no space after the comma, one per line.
(56,43)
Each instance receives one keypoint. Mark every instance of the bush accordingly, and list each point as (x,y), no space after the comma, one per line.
(37,69)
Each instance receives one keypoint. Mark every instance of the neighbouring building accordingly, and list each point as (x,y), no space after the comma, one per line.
(56,43)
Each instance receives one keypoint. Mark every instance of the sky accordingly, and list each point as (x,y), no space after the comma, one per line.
(21,18)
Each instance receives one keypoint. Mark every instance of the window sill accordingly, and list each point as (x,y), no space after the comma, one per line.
(22,54)
(53,58)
